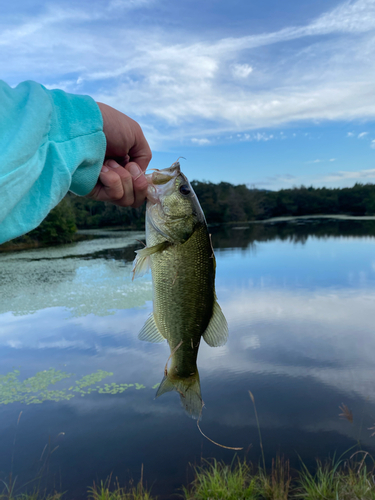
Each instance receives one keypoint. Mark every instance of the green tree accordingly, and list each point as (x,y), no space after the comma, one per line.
(58,227)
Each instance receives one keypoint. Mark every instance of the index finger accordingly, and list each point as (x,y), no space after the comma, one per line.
(140,184)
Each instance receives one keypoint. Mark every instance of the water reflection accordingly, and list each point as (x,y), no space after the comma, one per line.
(299,301)
(292,230)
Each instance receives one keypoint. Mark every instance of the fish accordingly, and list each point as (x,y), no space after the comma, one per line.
(181,258)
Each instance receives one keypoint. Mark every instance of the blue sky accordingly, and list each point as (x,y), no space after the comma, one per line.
(268,93)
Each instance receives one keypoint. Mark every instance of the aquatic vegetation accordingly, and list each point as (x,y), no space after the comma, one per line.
(64,277)
(36,389)
(32,390)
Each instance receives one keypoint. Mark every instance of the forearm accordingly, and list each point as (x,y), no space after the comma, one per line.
(50,142)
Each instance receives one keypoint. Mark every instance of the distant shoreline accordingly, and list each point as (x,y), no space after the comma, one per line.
(87,234)
(9,246)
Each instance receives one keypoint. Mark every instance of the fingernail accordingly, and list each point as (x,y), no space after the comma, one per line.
(104,169)
(112,164)
(135,171)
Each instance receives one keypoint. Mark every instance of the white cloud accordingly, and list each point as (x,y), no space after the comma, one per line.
(358,175)
(362,134)
(257,137)
(372,144)
(241,70)
(350,134)
(262,137)
(200,142)
(321,161)
(183,89)
(280,180)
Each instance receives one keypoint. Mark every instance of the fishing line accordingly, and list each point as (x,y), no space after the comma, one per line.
(214,442)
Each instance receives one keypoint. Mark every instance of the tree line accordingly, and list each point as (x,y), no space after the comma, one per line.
(221,203)
(225,202)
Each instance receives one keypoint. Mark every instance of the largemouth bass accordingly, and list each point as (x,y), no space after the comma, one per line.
(180,255)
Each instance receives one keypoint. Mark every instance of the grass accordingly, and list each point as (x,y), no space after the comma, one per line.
(324,484)
(240,481)
(103,492)
(336,479)
(333,480)
(217,480)
(277,485)
(35,495)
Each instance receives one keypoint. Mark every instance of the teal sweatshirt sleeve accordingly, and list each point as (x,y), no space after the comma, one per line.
(50,142)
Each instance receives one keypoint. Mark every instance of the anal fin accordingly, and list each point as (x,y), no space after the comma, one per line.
(216,333)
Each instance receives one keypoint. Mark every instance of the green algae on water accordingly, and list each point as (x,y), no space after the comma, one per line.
(38,389)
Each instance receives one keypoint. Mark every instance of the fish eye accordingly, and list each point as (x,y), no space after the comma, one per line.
(184,189)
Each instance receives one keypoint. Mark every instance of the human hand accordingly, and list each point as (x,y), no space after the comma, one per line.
(122,180)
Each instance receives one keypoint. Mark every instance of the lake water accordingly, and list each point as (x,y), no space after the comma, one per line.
(299,298)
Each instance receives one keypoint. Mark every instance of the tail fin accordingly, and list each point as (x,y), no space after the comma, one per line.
(189,390)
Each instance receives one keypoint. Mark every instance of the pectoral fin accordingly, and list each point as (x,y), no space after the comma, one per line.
(216,333)
(141,264)
(150,332)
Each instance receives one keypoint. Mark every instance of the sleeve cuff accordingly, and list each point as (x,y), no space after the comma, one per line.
(81,139)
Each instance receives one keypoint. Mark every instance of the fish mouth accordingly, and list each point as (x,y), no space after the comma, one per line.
(160,178)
